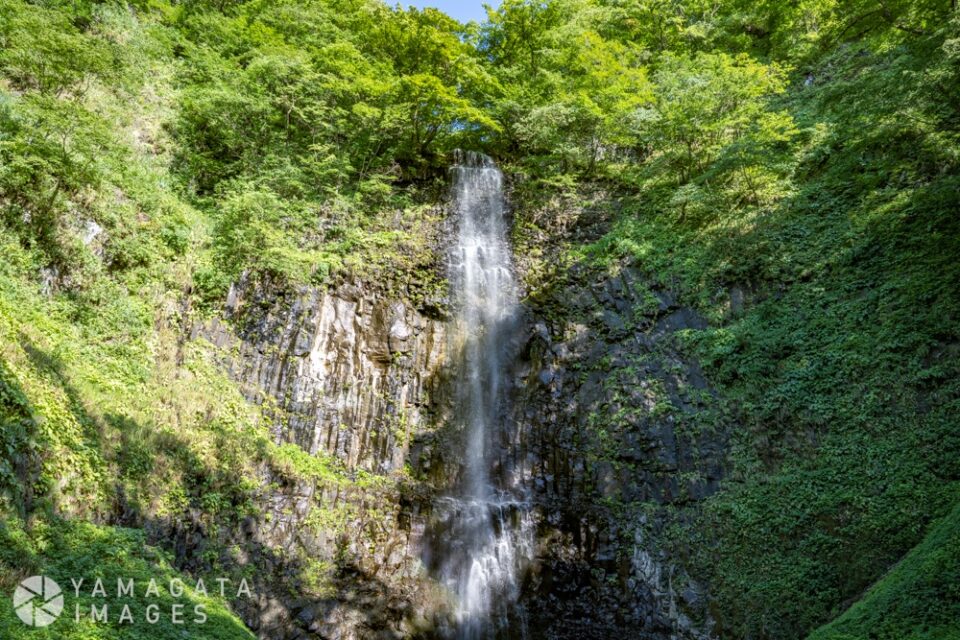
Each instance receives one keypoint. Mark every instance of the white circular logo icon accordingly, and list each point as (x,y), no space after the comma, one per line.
(38,601)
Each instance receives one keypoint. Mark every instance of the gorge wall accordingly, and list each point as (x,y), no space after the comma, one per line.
(612,433)
(625,440)
(349,377)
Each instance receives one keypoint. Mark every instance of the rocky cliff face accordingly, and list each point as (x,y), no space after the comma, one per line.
(349,377)
(624,439)
(351,373)
(614,432)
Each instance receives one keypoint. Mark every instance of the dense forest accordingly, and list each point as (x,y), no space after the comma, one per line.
(788,170)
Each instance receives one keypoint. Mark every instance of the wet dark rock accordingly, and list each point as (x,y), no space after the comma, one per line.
(614,460)
(614,323)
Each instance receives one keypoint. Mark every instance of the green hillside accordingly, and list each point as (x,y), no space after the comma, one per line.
(791,170)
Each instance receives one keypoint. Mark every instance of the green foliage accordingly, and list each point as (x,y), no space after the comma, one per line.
(42,49)
(70,551)
(568,93)
(256,230)
(844,366)
(918,598)
(296,140)
(19,445)
(50,158)
(802,30)
(713,103)
(296,119)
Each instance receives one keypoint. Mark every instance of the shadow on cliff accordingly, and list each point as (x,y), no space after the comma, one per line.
(21,462)
(133,451)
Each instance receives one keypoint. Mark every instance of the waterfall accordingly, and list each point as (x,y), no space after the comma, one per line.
(484,530)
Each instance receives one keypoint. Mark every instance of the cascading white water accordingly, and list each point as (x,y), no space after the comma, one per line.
(486,530)
(482,281)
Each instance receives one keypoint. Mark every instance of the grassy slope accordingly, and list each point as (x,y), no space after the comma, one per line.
(843,367)
(65,551)
(94,414)
(919,599)
(101,397)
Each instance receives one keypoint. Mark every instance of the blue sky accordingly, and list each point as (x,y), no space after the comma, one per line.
(462,10)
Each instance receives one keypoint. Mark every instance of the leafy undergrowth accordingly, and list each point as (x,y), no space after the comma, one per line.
(919,599)
(844,362)
(70,551)
(104,412)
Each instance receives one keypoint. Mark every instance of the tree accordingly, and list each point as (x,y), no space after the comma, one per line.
(569,93)
(705,102)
